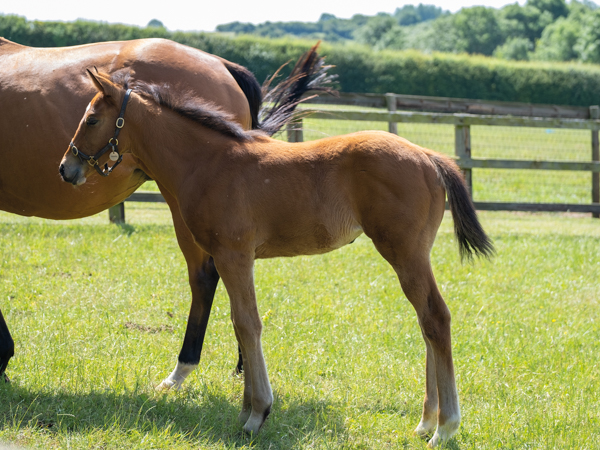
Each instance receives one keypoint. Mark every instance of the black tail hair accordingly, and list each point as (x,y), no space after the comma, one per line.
(250,87)
(280,101)
(469,232)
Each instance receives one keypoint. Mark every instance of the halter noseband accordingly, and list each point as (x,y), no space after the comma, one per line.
(113,143)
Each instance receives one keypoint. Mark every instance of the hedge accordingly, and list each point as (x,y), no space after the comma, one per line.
(360,68)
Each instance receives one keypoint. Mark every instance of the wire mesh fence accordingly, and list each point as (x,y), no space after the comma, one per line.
(494,142)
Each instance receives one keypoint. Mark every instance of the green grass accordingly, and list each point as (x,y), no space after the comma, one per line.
(98,313)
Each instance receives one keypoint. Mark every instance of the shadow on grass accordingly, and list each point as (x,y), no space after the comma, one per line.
(194,417)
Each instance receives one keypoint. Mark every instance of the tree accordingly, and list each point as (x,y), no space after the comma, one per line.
(477,30)
(558,41)
(155,23)
(516,48)
(525,21)
(558,8)
(587,46)
(380,32)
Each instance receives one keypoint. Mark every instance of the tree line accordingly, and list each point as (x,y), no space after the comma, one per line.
(360,69)
(543,30)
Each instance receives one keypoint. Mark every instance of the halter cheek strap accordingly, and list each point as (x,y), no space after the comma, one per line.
(113,144)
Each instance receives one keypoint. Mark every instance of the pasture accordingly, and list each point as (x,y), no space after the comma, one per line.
(98,314)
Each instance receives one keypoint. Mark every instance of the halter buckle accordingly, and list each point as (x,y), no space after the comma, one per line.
(120,122)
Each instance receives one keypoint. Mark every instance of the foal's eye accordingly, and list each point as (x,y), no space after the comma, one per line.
(91,121)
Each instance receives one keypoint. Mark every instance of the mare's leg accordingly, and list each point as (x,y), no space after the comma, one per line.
(203,278)
(236,270)
(7,347)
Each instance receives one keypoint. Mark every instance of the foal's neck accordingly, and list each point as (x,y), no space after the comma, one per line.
(174,148)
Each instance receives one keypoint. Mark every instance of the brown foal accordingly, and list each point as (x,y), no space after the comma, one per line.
(244,195)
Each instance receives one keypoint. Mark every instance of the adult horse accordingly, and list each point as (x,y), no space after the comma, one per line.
(245,195)
(43,92)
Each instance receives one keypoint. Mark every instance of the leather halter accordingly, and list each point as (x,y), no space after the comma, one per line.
(113,143)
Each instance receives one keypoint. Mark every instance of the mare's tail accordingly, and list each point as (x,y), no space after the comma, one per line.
(280,101)
(249,86)
(469,232)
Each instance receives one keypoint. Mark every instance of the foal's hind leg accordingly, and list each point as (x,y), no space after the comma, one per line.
(421,290)
(408,253)
(428,421)
(236,270)
(7,347)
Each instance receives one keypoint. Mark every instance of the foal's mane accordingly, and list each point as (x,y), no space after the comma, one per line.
(186,105)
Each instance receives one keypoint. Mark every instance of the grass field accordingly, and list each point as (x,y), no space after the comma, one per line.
(98,314)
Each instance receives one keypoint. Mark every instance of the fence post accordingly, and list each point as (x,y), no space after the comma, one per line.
(294,131)
(462,149)
(116,214)
(391,106)
(595,114)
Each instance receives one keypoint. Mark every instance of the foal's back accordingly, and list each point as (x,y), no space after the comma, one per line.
(314,197)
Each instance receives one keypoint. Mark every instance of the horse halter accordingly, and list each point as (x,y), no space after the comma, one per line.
(113,143)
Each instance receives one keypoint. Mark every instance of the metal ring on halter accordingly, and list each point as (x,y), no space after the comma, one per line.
(113,143)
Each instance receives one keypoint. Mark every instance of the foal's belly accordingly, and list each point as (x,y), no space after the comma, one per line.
(309,240)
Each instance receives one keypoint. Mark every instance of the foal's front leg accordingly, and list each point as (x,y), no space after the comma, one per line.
(203,278)
(237,272)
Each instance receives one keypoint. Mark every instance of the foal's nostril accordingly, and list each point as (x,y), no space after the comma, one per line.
(61,170)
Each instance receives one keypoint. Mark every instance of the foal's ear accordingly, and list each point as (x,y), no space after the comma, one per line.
(103,83)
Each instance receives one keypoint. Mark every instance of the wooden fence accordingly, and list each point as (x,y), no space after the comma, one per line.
(462,113)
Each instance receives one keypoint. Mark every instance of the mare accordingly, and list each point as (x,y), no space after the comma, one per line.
(246,196)
(44,91)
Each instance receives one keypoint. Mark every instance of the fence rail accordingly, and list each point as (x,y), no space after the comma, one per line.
(462,113)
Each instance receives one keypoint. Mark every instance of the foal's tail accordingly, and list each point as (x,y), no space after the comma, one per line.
(469,232)
(280,101)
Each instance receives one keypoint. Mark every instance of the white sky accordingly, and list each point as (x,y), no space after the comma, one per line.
(205,15)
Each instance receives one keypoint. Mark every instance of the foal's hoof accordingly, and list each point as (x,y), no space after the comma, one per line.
(444,433)
(253,424)
(256,421)
(6,379)
(425,429)
(167,385)
(244,416)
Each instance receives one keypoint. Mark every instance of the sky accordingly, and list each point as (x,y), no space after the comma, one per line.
(205,15)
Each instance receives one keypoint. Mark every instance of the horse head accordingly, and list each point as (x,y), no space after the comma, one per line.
(96,140)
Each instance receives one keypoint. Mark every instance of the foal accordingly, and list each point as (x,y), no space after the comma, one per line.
(244,196)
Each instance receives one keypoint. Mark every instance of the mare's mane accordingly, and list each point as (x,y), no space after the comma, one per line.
(186,105)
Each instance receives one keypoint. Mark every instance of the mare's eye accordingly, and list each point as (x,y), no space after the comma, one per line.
(91,121)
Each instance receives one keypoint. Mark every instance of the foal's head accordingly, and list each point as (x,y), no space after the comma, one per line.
(99,136)
(98,140)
